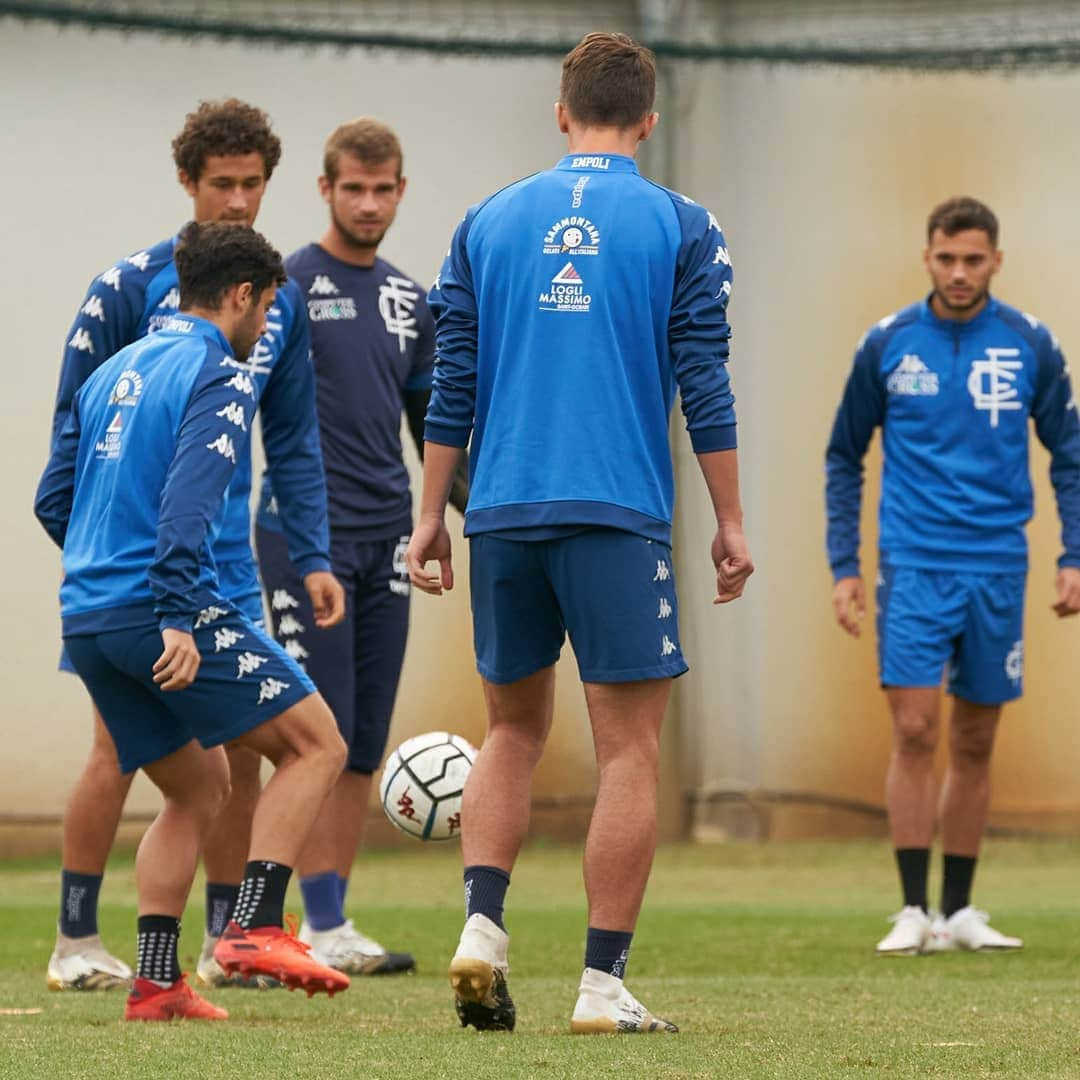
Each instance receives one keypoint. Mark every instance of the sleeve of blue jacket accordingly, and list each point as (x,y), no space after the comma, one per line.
(106,321)
(207,449)
(1056,424)
(453,303)
(56,491)
(290,428)
(862,408)
(698,330)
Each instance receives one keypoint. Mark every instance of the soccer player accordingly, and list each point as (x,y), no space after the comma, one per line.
(225,156)
(570,307)
(134,493)
(952,381)
(373,342)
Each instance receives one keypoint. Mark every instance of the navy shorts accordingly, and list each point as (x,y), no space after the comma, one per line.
(238,581)
(970,625)
(244,679)
(357,664)
(612,591)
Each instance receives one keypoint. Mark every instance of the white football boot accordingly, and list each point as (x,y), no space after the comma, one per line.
(911,933)
(346,949)
(85,964)
(210,973)
(478,975)
(604,1007)
(970,929)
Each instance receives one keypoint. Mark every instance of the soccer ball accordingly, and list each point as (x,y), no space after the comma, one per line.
(422,783)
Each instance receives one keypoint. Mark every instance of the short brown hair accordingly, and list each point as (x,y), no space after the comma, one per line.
(960,214)
(225,128)
(608,80)
(367,139)
(213,256)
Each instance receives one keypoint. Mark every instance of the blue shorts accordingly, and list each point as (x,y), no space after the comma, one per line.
(612,591)
(357,664)
(238,581)
(244,679)
(971,625)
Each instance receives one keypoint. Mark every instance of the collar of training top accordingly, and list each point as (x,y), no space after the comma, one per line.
(598,163)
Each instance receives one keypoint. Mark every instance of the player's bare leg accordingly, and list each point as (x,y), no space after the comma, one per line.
(911,803)
(308,755)
(335,837)
(965,804)
(519,718)
(80,960)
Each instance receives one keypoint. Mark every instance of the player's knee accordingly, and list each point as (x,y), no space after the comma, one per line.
(915,733)
(972,746)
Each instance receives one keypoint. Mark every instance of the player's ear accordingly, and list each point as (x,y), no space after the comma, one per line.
(998,256)
(648,125)
(186,182)
(402,183)
(325,188)
(562,118)
(245,295)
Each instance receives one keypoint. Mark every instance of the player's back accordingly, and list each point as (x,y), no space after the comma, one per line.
(129,414)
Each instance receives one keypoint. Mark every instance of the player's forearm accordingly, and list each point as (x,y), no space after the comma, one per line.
(440,466)
(721,471)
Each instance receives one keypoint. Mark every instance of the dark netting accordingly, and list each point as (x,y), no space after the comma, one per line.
(961,35)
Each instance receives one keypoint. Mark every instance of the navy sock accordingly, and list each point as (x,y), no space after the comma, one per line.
(220,905)
(78,903)
(343,888)
(262,894)
(322,900)
(608,950)
(956,886)
(485,892)
(158,937)
(914,865)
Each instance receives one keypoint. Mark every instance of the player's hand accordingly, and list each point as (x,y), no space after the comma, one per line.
(430,540)
(731,557)
(849,604)
(178,665)
(1068,591)
(327,598)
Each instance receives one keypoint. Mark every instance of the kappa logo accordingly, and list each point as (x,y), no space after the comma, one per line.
(1014,662)
(667,646)
(127,389)
(171,300)
(247,662)
(226,638)
(323,286)
(81,341)
(577,192)
(289,626)
(224,446)
(573,236)
(713,223)
(912,378)
(234,413)
(665,608)
(992,382)
(111,277)
(296,650)
(397,300)
(94,308)
(270,689)
(721,258)
(242,381)
(140,260)
(662,571)
(209,615)
(282,600)
(567,292)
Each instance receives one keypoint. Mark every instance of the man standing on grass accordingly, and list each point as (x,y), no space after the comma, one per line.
(952,381)
(225,155)
(134,493)
(373,344)
(571,306)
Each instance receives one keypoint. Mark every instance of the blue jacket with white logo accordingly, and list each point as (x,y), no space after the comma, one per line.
(569,308)
(134,491)
(136,297)
(953,400)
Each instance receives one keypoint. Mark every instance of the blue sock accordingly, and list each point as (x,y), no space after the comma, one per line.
(343,888)
(608,951)
(322,900)
(78,903)
(485,892)
(220,904)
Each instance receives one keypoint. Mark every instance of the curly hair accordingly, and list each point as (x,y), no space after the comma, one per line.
(212,257)
(222,128)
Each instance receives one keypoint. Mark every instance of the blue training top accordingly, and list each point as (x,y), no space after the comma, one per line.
(134,491)
(372,339)
(953,401)
(570,306)
(140,294)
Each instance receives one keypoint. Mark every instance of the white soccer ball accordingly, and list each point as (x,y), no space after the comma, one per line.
(422,783)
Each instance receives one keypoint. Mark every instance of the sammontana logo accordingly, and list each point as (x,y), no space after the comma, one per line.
(572,236)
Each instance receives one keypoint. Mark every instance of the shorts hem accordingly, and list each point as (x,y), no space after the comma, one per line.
(504,678)
(984,699)
(141,761)
(250,723)
(657,671)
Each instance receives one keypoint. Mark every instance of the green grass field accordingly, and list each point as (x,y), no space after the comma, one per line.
(763,954)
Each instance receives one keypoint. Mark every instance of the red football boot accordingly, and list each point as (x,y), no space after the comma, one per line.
(269,950)
(148,1001)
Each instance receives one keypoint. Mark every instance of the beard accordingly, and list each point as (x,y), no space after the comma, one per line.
(977,297)
(356,240)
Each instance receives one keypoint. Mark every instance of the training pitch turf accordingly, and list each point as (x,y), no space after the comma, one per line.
(763,954)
